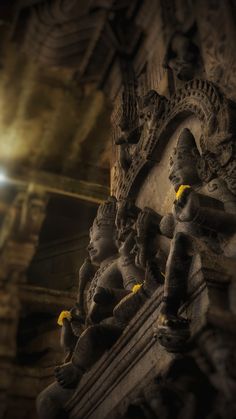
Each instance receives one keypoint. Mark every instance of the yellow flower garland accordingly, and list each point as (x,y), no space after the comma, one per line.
(63,315)
(181,189)
(136,287)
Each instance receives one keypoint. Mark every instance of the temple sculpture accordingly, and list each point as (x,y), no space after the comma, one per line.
(135,101)
(203,216)
(97,320)
(143,252)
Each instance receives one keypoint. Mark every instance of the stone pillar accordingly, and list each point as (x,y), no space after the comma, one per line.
(18,241)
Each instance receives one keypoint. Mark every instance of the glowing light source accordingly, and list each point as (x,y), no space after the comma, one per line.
(2,177)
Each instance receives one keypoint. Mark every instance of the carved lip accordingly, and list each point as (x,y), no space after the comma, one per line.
(92,252)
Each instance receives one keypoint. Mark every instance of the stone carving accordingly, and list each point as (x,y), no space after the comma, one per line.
(217,46)
(118,288)
(220,161)
(202,224)
(20,229)
(183,56)
(151,105)
(73,51)
(206,212)
(143,255)
(72,329)
(182,51)
(197,97)
(18,239)
(217,361)
(179,393)
(113,280)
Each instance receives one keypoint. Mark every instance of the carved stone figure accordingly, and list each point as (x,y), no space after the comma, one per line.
(140,248)
(111,282)
(182,56)
(200,212)
(73,327)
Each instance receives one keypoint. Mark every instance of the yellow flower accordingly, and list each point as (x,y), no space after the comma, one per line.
(181,189)
(136,287)
(63,315)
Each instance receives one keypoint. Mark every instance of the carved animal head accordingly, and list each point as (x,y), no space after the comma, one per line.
(150,105)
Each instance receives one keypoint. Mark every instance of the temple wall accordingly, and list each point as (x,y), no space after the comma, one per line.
(128,381)
(158,68)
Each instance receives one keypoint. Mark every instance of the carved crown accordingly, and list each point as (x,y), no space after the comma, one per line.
(185,145)
(106,213)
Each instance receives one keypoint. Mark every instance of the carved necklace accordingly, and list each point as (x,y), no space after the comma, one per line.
(96,277)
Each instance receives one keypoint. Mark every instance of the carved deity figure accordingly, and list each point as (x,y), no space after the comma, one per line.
(182,56)
(93,329)
(204,212)
(140,250)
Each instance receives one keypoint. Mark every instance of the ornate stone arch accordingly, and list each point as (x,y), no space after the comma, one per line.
(198,98)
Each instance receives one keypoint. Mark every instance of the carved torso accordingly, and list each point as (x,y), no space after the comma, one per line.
(107,276)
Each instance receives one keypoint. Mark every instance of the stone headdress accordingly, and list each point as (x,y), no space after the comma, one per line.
(186,147)
(106,216)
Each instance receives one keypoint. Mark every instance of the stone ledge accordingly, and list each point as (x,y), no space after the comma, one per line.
(105,390)
(115,367)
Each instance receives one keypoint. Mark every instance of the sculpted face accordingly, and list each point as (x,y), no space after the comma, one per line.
(101,246)
(183,57)
(183,168)
(183,171)
(183,164)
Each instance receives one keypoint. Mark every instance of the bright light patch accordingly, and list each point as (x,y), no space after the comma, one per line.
(2,177)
